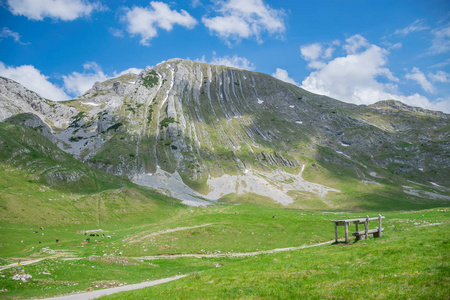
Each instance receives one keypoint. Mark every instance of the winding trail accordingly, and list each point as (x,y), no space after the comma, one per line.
(104,292)
(109,291)
(228,254)
(23,263)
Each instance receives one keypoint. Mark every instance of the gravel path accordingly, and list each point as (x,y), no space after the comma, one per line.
(100,293)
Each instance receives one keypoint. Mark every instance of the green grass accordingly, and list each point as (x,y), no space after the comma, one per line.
(167,121)
(150,80)
(93,273)
(408,262)
(316,272)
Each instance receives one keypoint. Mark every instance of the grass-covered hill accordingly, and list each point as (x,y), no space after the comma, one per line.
(41,185)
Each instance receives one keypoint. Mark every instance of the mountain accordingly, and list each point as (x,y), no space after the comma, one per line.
(201,132)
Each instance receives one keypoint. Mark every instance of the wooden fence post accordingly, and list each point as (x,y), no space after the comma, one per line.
(379,225)
(346,232)
(366,228)
(335,231)
(357,231)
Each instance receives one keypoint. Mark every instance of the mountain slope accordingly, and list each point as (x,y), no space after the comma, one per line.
(199,131)
(41,185)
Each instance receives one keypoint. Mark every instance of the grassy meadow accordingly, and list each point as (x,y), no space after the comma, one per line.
(410,260)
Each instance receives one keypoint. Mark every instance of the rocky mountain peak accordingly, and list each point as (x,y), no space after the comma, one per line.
(201,131)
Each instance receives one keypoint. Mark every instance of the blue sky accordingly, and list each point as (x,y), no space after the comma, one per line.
(358,51)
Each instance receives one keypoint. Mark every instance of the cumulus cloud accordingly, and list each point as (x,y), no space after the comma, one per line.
(65,10)
(354,43)
(421,79)
(316,53)
(284,76)
(145,21)
(417,25)
(232,61)
(6,32)
(441,40)
(351,78)
(239,19)
(78,83)
(356,78)
(32,79)
(311,52)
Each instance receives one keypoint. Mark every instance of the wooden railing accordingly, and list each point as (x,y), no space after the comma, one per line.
(360,235)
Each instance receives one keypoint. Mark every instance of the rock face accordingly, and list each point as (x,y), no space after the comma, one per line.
(16,99)
(221,130)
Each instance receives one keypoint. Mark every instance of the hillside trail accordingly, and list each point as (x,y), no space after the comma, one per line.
(65,254)
(109,291)
(228,254)
(176,255)
(105,292)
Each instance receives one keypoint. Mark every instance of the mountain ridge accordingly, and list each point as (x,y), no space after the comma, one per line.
(205,122)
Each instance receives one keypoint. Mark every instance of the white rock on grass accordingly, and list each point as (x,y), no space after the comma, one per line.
(22,277)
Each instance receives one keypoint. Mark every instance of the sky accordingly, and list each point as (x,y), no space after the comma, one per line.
(357,51)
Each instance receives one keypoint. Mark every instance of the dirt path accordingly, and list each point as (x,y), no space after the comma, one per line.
(28,261)
(104,292)
(133,239)
(100,293)
(241,254)
(23,263)
(197,255)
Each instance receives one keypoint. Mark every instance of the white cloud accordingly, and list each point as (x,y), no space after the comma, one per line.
(6,32)
(66,10)
(116,32)
(145,21)
(351,78)
(232,61)
(421,79)
(245,19)
(441,40)
(284,76)
(441,64)
(196,3)
(440,76)
(396,46)
(355,78)
(315,53)
(136,71)
(417,25)
(328,53)
(78,83)
(311,52)
(354,43)
(32,79)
